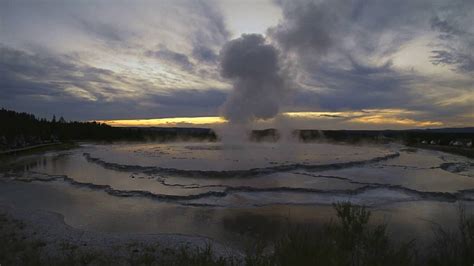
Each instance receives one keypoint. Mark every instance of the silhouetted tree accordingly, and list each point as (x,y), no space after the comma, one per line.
(22,129)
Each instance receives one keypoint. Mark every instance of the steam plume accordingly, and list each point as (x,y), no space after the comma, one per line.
(259,84)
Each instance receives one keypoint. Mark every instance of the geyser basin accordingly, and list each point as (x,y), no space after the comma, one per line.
(222,157)
(184,187)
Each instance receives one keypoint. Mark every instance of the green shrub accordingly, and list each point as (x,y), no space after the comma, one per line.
(349,240)
(453,248)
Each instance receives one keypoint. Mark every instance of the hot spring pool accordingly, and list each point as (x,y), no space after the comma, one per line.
(227,192)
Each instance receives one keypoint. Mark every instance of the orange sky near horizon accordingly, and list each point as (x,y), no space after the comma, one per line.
(373,118)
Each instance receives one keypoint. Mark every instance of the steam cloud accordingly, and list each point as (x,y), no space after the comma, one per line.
(260,86)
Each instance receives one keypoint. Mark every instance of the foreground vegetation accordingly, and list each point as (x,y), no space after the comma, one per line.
(349,240)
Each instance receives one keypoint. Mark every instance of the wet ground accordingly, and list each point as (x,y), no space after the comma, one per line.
(232,192)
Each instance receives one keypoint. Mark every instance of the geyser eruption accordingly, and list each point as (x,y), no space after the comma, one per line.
(260,85)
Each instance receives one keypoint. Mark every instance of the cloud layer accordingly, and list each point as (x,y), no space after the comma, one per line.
(353,55)
(144,59)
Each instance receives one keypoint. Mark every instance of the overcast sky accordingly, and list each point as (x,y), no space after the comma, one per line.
(382,63)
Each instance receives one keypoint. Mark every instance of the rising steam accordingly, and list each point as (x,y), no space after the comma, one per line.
(259,85)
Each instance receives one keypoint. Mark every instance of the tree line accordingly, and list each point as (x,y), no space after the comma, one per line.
(23,129)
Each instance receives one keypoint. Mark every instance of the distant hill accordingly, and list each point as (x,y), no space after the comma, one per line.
(189,130)
(449,130)
(448,137)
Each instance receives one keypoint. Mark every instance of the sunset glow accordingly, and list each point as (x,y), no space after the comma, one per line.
(186,63)
(396,118)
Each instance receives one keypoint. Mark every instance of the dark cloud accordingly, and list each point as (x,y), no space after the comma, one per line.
(331,116)
(108,32)
(172,103)
(357,87)
(444,27)
(214,31)
(204,54)
(30,74)
(41,85)
(259,86)
(456,33)
(172,57)
(306,26)
(209,99)
(210,37)
(335,43)
(464,62)
(342,52)
(62,49)
(321,28)
(147,106)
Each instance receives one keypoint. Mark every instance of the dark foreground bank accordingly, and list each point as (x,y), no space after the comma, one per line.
(349,240)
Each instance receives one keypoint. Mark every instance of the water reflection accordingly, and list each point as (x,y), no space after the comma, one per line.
(260,206)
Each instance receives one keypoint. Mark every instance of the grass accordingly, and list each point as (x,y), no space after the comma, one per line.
(454,248)
(348,240)
(17,249)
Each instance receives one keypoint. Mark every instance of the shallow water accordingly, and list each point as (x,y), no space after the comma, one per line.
(227,192)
